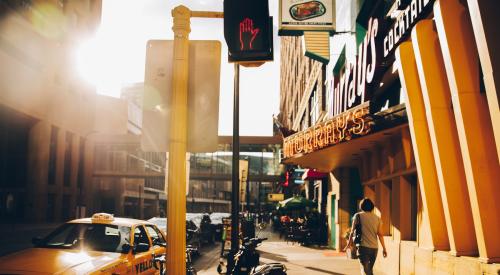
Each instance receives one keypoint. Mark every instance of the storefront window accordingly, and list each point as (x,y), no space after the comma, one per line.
(270,163)
(254,162)
(223,162)
(201,163)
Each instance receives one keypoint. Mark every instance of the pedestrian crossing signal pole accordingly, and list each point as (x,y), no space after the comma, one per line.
(248,35)
(235,195)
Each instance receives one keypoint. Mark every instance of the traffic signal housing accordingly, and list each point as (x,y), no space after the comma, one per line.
(248,30)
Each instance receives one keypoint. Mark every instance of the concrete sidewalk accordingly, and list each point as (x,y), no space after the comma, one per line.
(299,259)
(307,260)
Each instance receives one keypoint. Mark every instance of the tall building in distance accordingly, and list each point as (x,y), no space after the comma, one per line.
(46,110)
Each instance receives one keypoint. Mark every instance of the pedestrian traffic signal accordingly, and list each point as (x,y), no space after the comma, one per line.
(248,30)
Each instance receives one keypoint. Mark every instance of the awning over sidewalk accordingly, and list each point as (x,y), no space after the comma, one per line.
(343,154)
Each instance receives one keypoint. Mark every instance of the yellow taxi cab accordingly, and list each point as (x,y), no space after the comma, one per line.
(102,244)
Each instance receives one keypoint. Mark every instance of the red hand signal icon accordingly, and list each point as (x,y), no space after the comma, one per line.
(247,33)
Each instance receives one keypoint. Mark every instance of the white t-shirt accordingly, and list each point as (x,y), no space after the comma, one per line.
(369,228)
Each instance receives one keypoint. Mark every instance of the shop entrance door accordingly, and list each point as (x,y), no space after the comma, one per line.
(333,231)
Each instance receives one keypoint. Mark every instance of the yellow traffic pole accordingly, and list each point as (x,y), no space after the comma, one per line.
(176,201)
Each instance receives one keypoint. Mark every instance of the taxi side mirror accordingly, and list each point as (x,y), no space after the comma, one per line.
(141,247)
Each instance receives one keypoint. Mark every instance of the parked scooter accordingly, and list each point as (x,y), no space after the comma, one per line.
(270,269)
(246,261)
(247,257)
(160,260)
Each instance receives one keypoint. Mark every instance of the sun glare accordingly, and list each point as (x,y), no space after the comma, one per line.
(99,64)
(86,59)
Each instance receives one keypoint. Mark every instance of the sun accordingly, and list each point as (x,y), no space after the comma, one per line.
(99,64)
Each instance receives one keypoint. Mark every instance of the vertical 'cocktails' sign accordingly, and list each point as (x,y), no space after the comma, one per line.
(405,19)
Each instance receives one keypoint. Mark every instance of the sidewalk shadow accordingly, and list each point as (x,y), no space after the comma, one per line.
(323,270)
(272,256)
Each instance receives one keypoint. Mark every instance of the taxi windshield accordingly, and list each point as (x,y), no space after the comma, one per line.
(93,237)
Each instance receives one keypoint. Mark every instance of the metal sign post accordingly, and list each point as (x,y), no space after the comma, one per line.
(176,202)
(235,195)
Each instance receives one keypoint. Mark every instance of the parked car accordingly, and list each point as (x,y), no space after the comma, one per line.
(102,244)
(216,219)
(193,234)
(194,217)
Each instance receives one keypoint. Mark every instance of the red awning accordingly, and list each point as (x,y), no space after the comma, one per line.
(312,174)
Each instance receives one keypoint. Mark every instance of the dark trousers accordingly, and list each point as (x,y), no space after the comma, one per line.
(367,257)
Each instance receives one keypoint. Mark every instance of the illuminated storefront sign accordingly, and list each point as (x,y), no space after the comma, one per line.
(350,87)
(405,20)
(340,128)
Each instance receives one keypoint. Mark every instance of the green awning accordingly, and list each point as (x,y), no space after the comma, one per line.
(340,62)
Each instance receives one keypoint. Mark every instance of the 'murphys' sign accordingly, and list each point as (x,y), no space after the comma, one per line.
(351,84)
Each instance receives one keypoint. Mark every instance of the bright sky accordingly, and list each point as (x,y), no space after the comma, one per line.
(116,57)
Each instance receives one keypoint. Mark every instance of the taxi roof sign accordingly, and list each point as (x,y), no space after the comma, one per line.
(102,218)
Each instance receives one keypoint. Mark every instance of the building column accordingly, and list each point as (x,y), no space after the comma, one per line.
(424,159)
(59,184)
(444,140)
(120,197)
(141,201)
(484,17)
(369,192)
(409,157)
(383,204)
(341,187)
(75,159)
(401,218)
(473,122)
(86,197)
(38,163)
(156,206)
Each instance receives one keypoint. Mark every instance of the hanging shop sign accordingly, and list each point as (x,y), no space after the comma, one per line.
(300,15)
(275,197)
(349,87)
(406,18)
(338,129)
